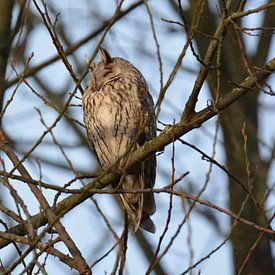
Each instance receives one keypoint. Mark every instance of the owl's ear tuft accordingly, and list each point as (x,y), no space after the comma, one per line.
(105,56)
(92,66)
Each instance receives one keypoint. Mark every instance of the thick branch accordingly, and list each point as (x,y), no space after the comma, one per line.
(210,54)
(168,135)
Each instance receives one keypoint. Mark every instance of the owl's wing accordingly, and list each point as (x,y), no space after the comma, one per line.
(141,205)
(149,164)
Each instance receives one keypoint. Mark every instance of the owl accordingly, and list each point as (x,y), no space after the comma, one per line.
(119,118)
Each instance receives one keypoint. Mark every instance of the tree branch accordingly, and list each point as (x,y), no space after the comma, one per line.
(64,236)
(168,135)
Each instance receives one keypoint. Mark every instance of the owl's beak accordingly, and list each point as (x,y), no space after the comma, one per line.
(105,56)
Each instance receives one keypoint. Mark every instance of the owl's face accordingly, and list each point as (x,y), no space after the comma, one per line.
(108,69)
(105,71)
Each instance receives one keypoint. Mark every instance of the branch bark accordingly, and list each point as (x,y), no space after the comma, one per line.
(168,135)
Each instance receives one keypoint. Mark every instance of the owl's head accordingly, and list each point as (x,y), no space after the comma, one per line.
(109,69)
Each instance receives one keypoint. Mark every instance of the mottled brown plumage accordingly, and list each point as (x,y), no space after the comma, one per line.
(119,118)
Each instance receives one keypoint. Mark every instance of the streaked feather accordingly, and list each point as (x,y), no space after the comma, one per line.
(117,104)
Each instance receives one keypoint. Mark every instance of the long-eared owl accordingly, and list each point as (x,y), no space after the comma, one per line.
(119,118)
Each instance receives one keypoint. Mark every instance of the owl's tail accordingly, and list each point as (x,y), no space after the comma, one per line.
(139,206)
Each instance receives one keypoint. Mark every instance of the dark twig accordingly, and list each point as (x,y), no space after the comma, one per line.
(80,261)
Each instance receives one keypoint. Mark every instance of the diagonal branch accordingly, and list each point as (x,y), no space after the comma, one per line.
(189,109)
(168,135)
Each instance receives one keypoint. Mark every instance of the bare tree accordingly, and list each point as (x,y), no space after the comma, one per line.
(202,60)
